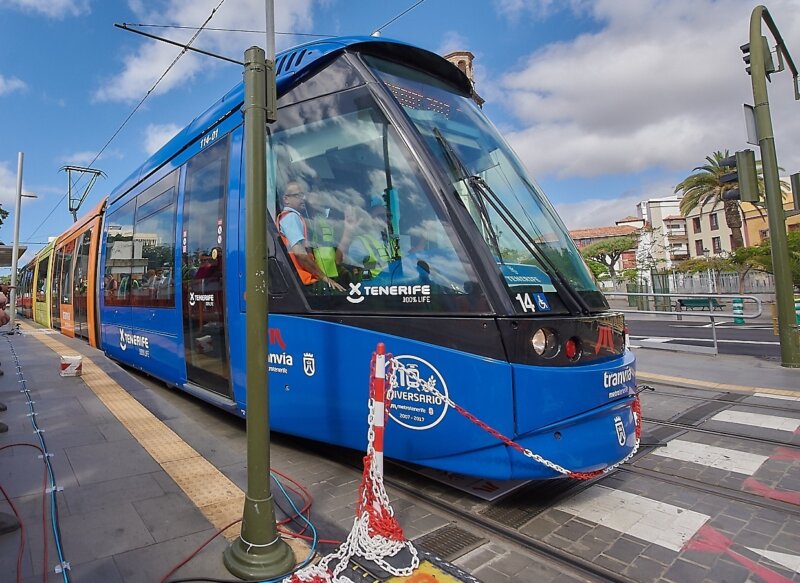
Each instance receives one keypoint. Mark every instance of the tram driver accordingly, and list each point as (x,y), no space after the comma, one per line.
(365,238)
(293,226)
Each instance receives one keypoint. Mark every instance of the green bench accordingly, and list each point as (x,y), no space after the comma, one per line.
(702,303)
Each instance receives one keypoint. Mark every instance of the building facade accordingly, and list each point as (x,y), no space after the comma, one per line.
(707,231)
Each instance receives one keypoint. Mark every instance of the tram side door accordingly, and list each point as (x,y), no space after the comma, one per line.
(203,270)
(80,285)
(55,289)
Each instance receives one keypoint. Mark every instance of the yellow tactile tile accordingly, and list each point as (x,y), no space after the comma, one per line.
(218,498)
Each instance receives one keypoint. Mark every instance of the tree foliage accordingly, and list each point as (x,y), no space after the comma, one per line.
(705,186)
(793,240)
(3,215)
(598,269)
(608,251)
(746,259)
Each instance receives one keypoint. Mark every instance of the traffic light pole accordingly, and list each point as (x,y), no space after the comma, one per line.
(788,331)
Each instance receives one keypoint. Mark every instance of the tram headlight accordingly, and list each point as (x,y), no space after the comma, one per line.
(544,343)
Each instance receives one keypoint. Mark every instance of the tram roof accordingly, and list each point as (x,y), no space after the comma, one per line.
(291,66)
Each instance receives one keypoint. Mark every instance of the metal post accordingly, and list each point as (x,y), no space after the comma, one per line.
(787,329)
(15,249)
(713,330)
(259,552)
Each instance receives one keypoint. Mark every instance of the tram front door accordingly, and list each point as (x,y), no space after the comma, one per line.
(203,270)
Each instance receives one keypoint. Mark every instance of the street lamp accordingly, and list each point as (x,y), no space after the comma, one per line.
(15,250)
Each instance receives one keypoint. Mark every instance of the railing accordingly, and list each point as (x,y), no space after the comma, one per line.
(665,299)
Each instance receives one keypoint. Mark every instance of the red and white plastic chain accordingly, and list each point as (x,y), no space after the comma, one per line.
(376,534)
(429,387)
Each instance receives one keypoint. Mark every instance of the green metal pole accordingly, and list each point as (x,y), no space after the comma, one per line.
(258,553)
(784,299)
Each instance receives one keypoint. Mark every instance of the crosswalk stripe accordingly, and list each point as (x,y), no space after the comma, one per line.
(730,460)
(785,559)
(758,420)
(784,397)
(655,522)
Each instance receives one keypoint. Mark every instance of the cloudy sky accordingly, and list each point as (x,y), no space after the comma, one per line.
(607,102)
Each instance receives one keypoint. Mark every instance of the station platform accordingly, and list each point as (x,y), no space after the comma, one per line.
(146,477)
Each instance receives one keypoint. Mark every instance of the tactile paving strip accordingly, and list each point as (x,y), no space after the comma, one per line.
(218,498)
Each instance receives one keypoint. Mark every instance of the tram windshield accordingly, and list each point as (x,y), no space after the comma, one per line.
(362,227)
(530,244)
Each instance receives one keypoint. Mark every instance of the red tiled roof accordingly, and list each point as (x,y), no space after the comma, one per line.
(628,218)
(675,218)
(602,232)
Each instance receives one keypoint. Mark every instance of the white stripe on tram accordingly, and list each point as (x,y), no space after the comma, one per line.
(758,420)
(730,460)
(784,397)
(655,522)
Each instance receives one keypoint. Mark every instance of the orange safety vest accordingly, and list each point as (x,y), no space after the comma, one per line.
(305,275)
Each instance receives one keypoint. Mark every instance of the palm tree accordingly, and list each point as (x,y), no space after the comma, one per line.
(704,186)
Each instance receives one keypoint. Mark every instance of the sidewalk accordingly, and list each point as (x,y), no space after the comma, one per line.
(726,372)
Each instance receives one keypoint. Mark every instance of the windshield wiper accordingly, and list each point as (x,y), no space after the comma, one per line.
(479,192)
(463,175)
(482,186)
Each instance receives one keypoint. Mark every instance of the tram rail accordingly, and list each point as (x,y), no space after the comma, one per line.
(753,438)
(730,402)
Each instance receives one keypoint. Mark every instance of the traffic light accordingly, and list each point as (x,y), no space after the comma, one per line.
(769,64)
(795,180)
(744,174)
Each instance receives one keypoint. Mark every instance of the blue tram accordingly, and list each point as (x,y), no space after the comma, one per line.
(427,234)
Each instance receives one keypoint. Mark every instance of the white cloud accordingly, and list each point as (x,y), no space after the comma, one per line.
(142,68)
(661,84)
(53,8)
(452,41)
(11,84)
(604,212)
(157,135)
(596,212)
(87,157)
(8,186)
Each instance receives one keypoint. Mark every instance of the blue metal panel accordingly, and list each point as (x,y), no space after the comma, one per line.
(547,395)
(319,380)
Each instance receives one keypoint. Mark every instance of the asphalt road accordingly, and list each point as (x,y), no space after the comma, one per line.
(751,339)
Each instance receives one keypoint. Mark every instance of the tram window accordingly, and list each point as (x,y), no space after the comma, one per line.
(154,234)
(119,256)
(83,245)
(66,273)
(371,223)
(41,279)
(337,76)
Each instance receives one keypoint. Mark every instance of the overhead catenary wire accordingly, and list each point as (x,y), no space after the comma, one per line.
(133,112)
(212,29)
(403,13)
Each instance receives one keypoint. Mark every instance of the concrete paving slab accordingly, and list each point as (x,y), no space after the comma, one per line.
(169,516)
(110,493)
(100,534)
(120,459)
(151,563)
